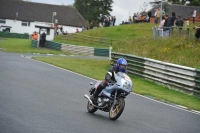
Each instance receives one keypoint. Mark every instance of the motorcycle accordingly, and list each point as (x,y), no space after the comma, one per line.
(111,99)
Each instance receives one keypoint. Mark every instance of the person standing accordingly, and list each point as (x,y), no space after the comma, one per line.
(43,39)
(114,19)
(179,22)
(173,18)
(160,28)
(155,20)
(166,26)
(61,29)
(158,15)
(77,31)
(197,33)
(149,15)
(34,36)
(194,14)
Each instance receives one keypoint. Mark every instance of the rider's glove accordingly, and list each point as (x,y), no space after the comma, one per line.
(112,82)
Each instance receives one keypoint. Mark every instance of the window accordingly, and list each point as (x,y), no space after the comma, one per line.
(26,23)
(2,21)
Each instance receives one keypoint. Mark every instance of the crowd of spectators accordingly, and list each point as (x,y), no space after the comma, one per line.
(109,21)
(138,18)
(164,21)
(167,22)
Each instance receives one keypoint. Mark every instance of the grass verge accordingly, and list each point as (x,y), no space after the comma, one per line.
(24,46)
(141,86)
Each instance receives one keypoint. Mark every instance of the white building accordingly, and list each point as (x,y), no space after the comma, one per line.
(27,17)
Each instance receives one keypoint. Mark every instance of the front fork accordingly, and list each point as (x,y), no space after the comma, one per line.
(115,100)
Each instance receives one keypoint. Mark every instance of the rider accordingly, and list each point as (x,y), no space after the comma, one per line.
(109,77)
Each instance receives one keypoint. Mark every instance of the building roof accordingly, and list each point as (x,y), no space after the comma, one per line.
(29,11)
(184,11)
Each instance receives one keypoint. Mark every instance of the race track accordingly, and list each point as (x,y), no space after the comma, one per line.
(39,98)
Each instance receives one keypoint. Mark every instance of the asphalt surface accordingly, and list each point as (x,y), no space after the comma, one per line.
(39,98)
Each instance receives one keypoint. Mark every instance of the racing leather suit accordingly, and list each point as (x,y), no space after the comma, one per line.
(109,78)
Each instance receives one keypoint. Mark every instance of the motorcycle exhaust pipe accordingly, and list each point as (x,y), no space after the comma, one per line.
(87,97)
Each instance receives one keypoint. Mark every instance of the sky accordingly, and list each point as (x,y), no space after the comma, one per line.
(122,9)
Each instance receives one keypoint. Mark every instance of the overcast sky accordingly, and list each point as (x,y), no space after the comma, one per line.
(122,9)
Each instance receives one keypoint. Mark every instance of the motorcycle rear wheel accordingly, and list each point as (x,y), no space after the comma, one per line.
(116,111)
(91,108)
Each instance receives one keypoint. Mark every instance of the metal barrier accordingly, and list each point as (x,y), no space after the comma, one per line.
(83,50)
(184,79)
(180,32)
(34,43)
(53,45)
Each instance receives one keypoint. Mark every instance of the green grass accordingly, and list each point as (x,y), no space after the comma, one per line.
(137,39)
(141,86)
(23,46)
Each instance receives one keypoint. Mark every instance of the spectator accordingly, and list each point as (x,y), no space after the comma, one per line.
(58,31)
(149,15)
(158,15)
(160,28)
(197,33)
(106,22)
(77,31)
(135,18)
(61,29)
(166,26)
(155,20)
(173,18)
(179,22)
(194,13)
(146,18)
(55,30)
(111,21)
(130,20)
(34,35)
(114,19)
(43,39)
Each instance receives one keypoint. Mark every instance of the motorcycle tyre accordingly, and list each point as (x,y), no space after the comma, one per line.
(120,110)
(91,110)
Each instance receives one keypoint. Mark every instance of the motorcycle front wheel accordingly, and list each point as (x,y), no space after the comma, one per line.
(91,108)
(116,111)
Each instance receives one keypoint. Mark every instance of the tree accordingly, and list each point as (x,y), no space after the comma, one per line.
(194,3)
(93,10)
(164,4)
(143,7)
(179,2)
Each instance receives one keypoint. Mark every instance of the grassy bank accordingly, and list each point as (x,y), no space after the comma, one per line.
(141,86)
(23,46)
(137,39)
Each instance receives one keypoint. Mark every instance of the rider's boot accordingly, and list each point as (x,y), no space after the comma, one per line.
(94,97)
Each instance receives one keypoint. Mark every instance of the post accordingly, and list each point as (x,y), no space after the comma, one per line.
(110,51)
(161,12)
(52,18)
(38,39)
